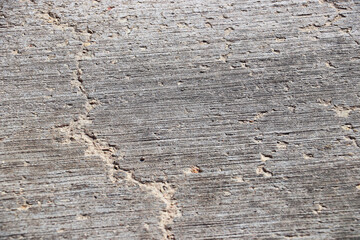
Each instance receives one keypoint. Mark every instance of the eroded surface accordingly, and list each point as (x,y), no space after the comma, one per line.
(180,119)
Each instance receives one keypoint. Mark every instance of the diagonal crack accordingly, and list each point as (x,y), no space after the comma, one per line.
(100,148)
(331,21)
(76,131)
(339,10)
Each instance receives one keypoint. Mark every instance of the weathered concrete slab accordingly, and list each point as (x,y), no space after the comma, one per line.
(179,119)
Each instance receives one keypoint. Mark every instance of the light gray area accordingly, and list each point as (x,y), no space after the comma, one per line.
(179,119)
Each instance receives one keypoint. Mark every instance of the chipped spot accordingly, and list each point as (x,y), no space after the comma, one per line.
(318,208)
(309,28)
(246,121)
(238,179)
(353,140)
(260,170)
(308,155)
(281,145)
(204,42)
(329,65)
(342,111)
(347,127)
(224,57)
(257,117)
(204,68)
(262,114)
(227,194)
(82,217)
(228,31)
(258,139)
(324,102)
(276,51)
(23,207)
(265,157)
(195,169)
(280,39)
(183,25)
(244,65)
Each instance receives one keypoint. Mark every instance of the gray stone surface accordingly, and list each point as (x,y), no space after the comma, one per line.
(179,119)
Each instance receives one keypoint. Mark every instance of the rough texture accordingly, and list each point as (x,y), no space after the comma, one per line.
(179,119)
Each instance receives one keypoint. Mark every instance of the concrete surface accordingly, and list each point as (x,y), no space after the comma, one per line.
(179,119)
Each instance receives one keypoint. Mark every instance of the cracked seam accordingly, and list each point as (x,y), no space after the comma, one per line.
(338,16)
(76,131)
